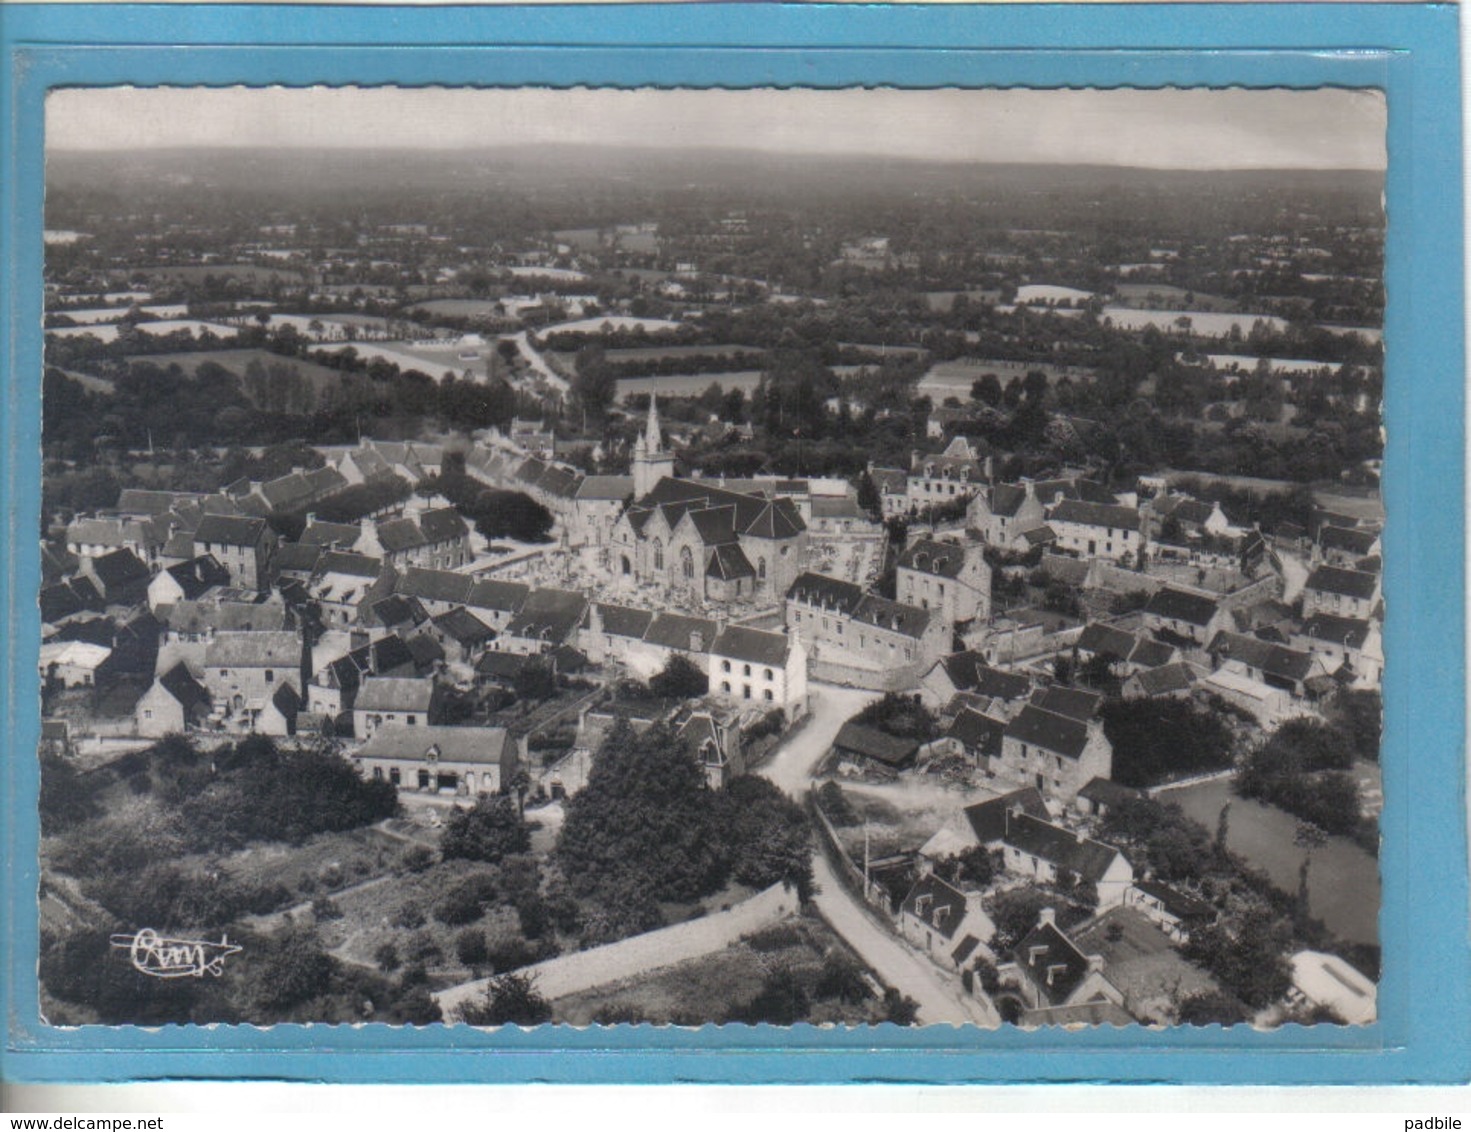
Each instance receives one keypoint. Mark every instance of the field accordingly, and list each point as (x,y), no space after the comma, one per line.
(1203,324)
(433,363)
(459,308)
(196,273)
(1155,293)
(715,986)
(1247,364)
(236,361)
(1046,294)
(659,353)
(688,384)
(108,332)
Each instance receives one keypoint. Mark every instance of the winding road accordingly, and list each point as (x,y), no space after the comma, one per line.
(939,994)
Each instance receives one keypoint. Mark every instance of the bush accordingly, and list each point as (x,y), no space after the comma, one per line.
(470,947)
(782,1001)
(510,954)
(777,937)
(417,858)
(835,805)
(900,1009)
(490,830)
(386,956)
(466,901)
(421,949)
(681,679)
(509,1000)
(325,908)
(842,978)
(409,916)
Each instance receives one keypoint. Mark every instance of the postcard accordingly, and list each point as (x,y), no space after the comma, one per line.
(917,570)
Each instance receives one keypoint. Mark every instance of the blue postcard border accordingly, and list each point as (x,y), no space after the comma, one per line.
(1408,50)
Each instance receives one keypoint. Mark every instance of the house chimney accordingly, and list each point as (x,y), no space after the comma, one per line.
(697,641)
(311,517)
(1095,963)
(1047,918)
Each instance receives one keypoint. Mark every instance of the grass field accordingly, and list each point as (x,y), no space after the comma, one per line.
(322,378)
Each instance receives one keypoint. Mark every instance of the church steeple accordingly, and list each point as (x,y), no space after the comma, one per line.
(653,442)
(651,460)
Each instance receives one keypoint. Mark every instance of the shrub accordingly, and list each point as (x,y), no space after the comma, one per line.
(510,954)
(490,830)
(778,937)
(835,805)
(842,978)
(417,858)
(421,949)
(509,1000)
(409,916)
(470,947)
(325,908)
(466,901)
(386,956)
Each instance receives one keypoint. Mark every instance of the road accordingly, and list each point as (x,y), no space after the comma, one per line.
(1294,575)
(538,363)
(940,996)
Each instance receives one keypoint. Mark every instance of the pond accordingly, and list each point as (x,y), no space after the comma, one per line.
(1343,886)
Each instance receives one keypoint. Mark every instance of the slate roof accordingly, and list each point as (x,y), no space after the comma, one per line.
(398,535)
(548,615)
(1271,659)
(321,533)
(909,620)
(142,501)
(1075,703)
(826,592)
(502,597)
(395,693)
(227,616)
(119,568)
(674,630)
(1165,679)
(1052,963)
(928,556)
(1350,632)
(1097,638)
(969,672)
(1095,514)
(298,557)
(230,530)
(1107,792)
(198,575)
(442,524)
(346,562)
(254,650)
(979,732)
(1064,849)
(1353,540)
(1348,583)
(397,609)
(464,627)
(752,646)
(179,683)
(435,585)
(989,818)
(1073,571)
(288,493)
(480,746)
(605,488)
(1151,654)
(1179,904)
(501,665)
(1007,499)
(939,905)
(715,526)
(1048,730)
(1177,605)
(729,563)
(870,742)
(624,620)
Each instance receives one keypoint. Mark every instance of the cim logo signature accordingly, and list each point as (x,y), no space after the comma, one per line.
(166,958)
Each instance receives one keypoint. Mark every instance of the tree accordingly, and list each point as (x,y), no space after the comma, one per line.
(1155,741)
(681,679)
(65,799)
(510,1000)
(842,978)
(645,827)
(1211,1008)
(535,680)
(1307,837)
(868,496)
(768,836)
(488,831)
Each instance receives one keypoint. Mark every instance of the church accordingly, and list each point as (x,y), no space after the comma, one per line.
(704,541)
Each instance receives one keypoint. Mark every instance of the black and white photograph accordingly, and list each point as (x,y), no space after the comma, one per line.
(589,556)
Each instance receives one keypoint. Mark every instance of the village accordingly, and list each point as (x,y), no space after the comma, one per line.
(989,712)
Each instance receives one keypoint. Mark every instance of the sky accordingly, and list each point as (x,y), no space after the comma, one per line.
(1178,129)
